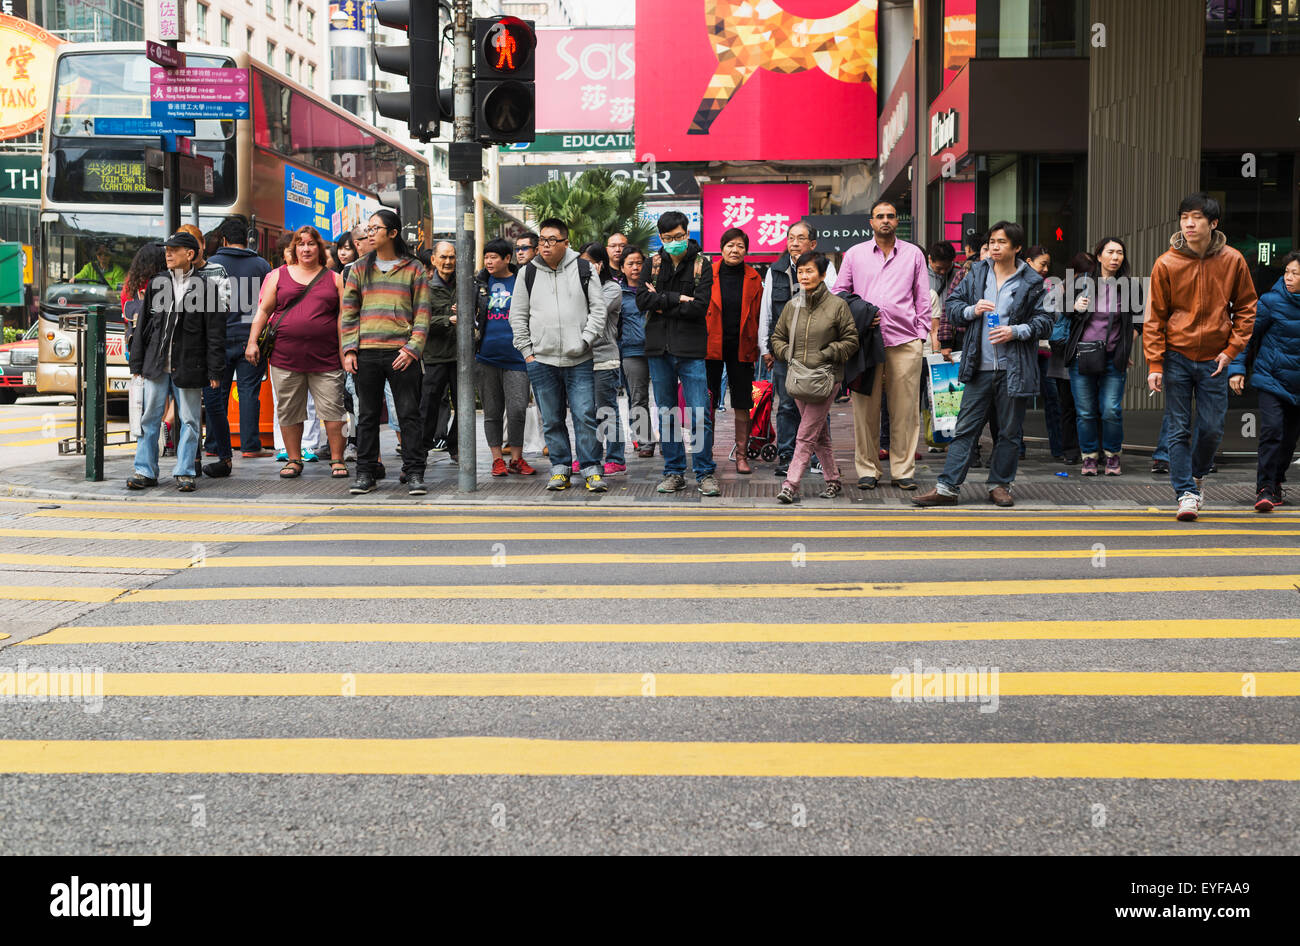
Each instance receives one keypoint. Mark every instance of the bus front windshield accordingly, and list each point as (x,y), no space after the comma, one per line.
(86,256)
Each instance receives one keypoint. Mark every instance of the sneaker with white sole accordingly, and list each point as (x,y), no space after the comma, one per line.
(1189,507)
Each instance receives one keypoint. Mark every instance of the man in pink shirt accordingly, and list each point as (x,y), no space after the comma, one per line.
(890,274)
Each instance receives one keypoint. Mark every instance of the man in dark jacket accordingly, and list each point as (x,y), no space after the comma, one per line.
(440,349)
(245,270)
(1001,305)
(676,307)
(179,349)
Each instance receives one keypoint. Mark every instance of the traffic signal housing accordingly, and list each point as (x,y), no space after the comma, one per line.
(505,95)
(417,60)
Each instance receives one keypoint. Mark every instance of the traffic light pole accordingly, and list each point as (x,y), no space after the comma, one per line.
(466,422)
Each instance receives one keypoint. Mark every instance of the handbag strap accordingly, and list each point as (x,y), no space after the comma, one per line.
(298,298)
(794,327)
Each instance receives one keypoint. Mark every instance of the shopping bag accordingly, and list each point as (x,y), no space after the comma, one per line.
(943,396)
(534,441)
(135,404)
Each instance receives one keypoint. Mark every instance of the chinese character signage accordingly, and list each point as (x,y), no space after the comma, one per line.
(169,13)
(738,80)
(354,10)
(590,79)
(26,70)
(114,177)
(763,211)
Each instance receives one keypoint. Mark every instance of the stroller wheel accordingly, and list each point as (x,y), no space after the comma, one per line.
(752,452)
(768,453)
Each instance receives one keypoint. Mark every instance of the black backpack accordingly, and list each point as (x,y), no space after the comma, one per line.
(584,276)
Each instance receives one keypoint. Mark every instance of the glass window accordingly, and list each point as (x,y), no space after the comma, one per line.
(311,76)
(288,13)
(270,8)
(248,41)
(1031,29)
(288,63)
(225,31)
(1252,29)
(201,23)
(270,54)
(311,26)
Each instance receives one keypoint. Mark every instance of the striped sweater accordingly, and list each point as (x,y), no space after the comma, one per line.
(388,310)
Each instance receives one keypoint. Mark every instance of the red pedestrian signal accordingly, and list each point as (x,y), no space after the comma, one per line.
(505,47)
(504,94)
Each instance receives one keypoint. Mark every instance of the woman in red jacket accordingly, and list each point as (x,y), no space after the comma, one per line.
(733,335)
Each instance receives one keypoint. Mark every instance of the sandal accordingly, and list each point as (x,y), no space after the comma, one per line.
(338,470)
(289,472)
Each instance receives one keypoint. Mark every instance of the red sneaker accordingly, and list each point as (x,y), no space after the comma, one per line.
(499,467)
(521,467)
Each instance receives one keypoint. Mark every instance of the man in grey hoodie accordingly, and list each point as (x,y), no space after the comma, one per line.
(556,314)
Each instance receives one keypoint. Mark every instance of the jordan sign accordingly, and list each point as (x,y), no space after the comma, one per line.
(749,80)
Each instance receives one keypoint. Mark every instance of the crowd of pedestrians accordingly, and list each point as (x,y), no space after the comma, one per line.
(569,332)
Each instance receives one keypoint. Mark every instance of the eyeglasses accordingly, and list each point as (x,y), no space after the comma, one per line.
(551,241)
(886,216)
(523,247)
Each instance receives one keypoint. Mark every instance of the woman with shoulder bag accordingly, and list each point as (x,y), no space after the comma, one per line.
(1097,354)
(815,336)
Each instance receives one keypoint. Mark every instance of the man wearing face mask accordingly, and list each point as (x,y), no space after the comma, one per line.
(779,288)
(676,304)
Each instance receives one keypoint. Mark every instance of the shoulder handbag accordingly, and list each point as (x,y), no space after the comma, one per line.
(810,385)
(266,338)
(1091,358)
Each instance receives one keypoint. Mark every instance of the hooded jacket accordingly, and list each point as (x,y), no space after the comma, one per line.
(1201,306)
(1276,367)
(181,335)
(605,350)
(555,322)
(245,270)
(1026,315)
(673,327)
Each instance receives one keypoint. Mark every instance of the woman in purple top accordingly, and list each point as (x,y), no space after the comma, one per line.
(1097,354)
(302,297)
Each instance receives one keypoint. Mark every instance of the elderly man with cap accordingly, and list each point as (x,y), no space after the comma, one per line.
(179,349)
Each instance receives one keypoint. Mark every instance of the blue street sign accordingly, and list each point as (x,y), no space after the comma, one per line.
(144,127)
(199,109)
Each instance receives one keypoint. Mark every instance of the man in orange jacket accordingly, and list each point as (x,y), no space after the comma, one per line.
(1201,315)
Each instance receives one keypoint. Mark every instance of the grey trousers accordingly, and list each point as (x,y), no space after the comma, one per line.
(503,392)
(636,369)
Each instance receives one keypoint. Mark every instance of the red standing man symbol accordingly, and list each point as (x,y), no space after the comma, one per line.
(505,45)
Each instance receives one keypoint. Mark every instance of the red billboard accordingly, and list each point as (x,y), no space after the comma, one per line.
(735,80)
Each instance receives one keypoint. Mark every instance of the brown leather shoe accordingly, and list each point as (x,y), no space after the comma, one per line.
(646,452)
(1001,496)
(934,498)
(742,461)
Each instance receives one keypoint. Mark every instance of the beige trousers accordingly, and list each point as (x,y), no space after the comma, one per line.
(901,380)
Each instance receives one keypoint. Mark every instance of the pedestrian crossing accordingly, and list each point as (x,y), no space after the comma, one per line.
(611,644)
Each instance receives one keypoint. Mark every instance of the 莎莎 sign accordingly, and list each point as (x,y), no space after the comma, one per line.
(763,211)
(590,77)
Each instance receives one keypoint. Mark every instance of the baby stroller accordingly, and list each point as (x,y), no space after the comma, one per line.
(762,436)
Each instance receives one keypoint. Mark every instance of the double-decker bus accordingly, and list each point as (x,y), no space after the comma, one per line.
(296,160)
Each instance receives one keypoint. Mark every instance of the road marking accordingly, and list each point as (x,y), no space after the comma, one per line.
(609,517)
(505,756)
(621,558)
(726,592)
(625,536)
(57,593)
(702,685)
(35,427)
(47,440)
(738,632)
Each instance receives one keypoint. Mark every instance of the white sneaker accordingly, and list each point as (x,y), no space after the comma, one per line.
(1189,507)
(350,453)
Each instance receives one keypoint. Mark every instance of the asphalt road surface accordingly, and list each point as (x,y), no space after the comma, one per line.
(520,680)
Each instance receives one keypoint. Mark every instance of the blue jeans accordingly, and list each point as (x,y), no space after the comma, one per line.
(609,421)
(1098,403)
(985,395)
(187,413)
(552,386)
(665,373)
(786,410)
(248,380)
(1186,381)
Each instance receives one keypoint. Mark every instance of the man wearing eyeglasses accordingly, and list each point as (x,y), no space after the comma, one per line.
(556,313)
(525,248)
(892,275)
(616,246)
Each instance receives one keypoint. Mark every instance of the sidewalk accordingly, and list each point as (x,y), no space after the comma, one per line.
(1038,485)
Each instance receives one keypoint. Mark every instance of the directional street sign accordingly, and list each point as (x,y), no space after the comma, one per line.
(164,55)
(143,127)
(199,109)
(195,174)
(198,85)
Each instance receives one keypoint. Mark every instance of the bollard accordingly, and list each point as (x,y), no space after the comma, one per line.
(94,352)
